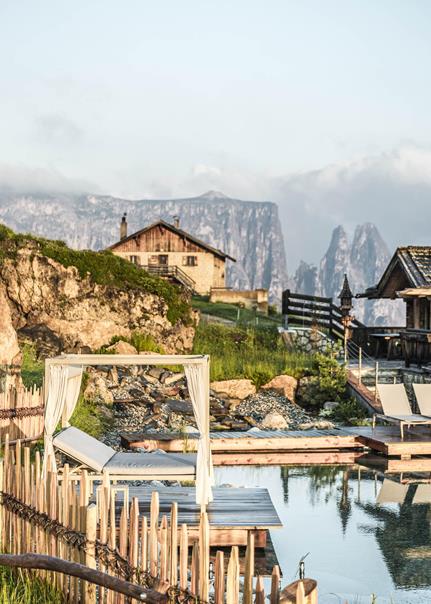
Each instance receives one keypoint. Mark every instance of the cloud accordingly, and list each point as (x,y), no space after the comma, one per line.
(57,129)
(391,190)
(25,179)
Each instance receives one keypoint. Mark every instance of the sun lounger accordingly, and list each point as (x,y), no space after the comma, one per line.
(392,492)
(396,408)
(423,494)
(95,455)
(423,398)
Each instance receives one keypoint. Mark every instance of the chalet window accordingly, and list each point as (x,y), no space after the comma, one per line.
(134,259)
(190,260)
(163,259)
(158,247)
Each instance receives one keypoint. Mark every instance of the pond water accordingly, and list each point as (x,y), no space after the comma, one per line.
(357,546)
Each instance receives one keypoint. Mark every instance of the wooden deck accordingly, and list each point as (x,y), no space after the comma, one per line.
(387,440)
(233,513)
(260,447)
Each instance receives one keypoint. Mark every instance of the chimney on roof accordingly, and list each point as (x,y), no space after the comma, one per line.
(176,222)
(123,226)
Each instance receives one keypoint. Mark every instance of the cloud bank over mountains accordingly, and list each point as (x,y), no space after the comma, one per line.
(391,189)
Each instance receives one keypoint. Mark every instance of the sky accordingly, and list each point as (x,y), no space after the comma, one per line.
(319,105)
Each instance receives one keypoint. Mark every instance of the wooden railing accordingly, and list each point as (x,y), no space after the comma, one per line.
(307,311)
(171,271)
(60,517)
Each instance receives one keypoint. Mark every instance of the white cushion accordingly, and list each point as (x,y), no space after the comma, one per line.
(152,464)
(84,448)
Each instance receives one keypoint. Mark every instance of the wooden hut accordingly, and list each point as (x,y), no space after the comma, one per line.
(408,276)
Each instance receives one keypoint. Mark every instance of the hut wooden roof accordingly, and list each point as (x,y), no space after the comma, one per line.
(410,267)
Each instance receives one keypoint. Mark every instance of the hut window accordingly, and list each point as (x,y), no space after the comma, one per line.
(163,259)
(134,259)
(190,260)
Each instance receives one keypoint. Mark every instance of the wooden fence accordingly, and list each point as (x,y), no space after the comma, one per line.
(21,413)
(68,517)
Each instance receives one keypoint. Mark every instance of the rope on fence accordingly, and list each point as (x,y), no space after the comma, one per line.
(21,412)
(109,557)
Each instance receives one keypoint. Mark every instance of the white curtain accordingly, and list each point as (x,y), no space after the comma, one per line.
(62,387)
(198,386)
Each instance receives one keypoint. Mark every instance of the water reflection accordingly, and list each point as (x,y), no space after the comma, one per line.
(360,544)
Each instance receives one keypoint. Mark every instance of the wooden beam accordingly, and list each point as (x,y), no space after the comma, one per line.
(73,569)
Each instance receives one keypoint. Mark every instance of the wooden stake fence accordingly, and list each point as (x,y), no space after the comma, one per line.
(21,413)
(65,517)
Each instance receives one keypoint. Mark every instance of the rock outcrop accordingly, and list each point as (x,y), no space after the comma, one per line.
(53,305)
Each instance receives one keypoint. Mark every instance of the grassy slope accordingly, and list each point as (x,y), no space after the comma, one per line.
(104,268)
(257,354)
(232,312)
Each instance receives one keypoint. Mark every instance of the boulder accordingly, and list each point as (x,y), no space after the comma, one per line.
(176,406)
(236,390)
(274,421)
(283,384)
(97,389)
(122,347)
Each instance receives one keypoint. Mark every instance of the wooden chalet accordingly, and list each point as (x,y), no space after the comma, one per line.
(408,276)
(166,250)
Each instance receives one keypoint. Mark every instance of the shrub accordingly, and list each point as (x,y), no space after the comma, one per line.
(141,341)
(32,368)
(349,412)
(18,587)
(328,382)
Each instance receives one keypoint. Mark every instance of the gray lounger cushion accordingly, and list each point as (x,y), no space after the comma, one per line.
(84,448)
(152,464)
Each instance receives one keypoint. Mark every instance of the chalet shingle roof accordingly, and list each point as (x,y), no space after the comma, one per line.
(415,262)
(180,232)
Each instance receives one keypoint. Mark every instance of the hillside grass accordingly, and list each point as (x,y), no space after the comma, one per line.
(104,268)
(234,313)
(256,354)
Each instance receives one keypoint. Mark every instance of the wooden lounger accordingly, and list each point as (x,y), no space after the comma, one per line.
(98,457)
(396,408)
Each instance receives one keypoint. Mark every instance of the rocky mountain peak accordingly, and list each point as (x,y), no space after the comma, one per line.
(364,260)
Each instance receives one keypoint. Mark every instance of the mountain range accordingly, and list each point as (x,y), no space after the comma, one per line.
(248,231)
(363,259)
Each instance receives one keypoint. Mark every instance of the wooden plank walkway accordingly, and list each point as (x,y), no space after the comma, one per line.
(264,441)
(387,440)
(232,514)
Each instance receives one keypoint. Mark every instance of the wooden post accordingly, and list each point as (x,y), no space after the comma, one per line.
(249,569)
(184,554)
(154,519)
(232,585)
(144,544)
(173,545)
(164,550)
(300,593)
(360,366)
(219,579)
(275,585)
(194,575)
(204,557)
(260,591)
(90,554)
(376,369)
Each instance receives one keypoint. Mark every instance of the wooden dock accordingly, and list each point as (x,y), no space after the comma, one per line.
(233,513)
(387,440)
(269,447)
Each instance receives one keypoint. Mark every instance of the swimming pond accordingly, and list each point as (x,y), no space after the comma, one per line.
(360,539)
